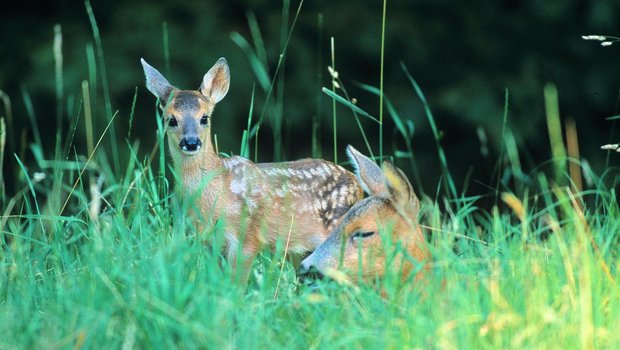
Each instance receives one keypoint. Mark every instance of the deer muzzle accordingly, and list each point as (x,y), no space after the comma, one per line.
(190,145)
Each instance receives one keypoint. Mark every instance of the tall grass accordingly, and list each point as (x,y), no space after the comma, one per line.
(135,277)
(258,60)
(121,266)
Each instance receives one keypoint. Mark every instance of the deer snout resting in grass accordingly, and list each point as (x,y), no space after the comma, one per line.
(260,203)
(379,233)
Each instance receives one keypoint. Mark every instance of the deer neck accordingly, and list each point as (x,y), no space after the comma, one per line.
(193,169)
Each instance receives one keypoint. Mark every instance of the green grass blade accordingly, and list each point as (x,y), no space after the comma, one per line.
(391,109)
(32,192)
(555,132)
(166,45)
(260,71)
(348,104)
(247,136)
(333,92)
(132,112)
(500,163)
(449,182)
(31,116)
(317,118)
(257,66)
(104,84)
(381,66)
(405,132)
(58,75)
(257,38)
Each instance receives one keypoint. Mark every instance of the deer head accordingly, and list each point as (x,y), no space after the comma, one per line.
(358,242)
(188,112)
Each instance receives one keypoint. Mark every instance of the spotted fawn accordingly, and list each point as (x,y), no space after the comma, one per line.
(355,246)
(260,203)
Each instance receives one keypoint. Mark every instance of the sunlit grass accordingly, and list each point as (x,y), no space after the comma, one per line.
(138,276)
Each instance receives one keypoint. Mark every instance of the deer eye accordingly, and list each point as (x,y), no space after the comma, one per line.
(362,234)
(172,122)
(204,120)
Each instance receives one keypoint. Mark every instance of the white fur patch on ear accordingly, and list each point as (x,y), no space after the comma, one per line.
(216,82)
(156,83)
(368,173)
(356,169)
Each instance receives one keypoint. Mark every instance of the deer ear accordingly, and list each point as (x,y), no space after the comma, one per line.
(156,83)
(368,173)
(216,82)
(400,188)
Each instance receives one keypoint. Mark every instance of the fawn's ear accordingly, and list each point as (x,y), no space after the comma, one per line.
(368,173)
(400,188)
(156,83)
(216,82)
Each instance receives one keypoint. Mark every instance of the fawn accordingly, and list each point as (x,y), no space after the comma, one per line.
(299,200)
(391,206)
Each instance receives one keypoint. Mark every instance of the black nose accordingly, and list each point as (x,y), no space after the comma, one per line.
(190,144)
(308,273)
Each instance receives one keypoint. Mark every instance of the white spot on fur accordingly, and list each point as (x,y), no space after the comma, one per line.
(231,163)
(233,245)
(250,203)
(325,168)
(334,196)
(298,249)
(342,193)
(234,207)
(280,192)
(238,186)
(304,207)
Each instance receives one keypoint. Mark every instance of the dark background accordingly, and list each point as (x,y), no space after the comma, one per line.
(464,55)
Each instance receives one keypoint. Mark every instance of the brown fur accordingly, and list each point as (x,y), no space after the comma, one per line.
(391,208)
(257,201)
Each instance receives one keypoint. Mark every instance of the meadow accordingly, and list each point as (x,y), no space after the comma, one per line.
(96,251)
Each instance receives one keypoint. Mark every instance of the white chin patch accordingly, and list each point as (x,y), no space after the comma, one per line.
(190,153)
